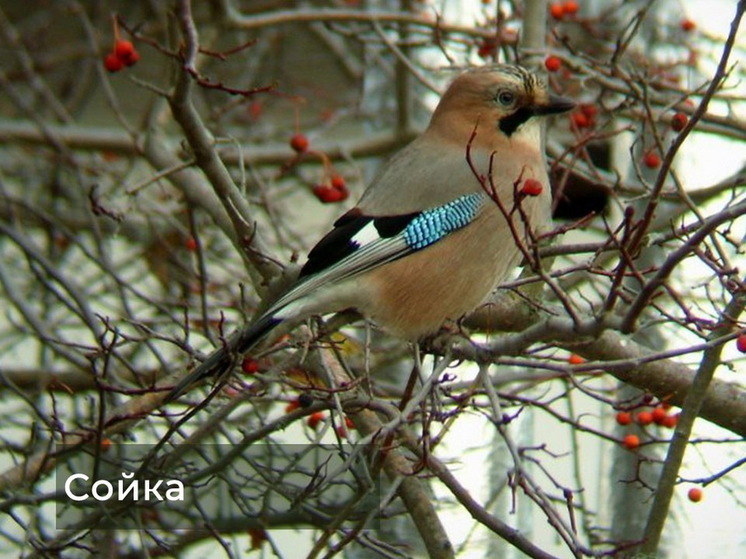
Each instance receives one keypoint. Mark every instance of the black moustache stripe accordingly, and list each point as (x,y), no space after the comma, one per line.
(510,123)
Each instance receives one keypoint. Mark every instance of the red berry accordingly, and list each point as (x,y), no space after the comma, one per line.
(132,59)
(659,415)
(299,142)
(695,494)
(123,48)
(113,63)
(553,63)
(487,47)
(644,418)
(678,121)
(330,195)
(557,11)
(688,25)
(341,431)
(338,182)
(314,419)
(651,160)
(292,406)
(631,441)
(670,421)
(589,110)
(249,365)
(105,444)
(624,418)
(190,244)
(348,423)
(570,7)
(741,343)
(580,120)
(531,187)
(575,359)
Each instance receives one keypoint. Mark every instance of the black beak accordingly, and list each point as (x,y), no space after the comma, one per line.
(554,106)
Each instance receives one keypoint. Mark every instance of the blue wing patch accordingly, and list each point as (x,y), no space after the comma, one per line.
(432,225)
(359,243)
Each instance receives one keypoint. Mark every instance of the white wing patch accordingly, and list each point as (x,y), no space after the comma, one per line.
(366,235)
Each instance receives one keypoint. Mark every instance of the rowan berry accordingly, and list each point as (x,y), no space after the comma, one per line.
(553,63)
(695,494)
(624,418)
(644,418)
(531,187)
(631,441)
(299,142)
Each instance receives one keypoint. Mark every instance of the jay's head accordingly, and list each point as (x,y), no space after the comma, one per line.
(506,97)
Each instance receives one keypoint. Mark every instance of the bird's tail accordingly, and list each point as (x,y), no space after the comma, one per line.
(220,361)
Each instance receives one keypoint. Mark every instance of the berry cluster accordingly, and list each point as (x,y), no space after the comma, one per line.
(122,54)
(333,188)
(559,10)
(659,415)
(585,116)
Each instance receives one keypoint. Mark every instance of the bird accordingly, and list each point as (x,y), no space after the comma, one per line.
(438,228)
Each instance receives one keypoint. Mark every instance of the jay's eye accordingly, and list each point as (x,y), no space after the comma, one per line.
(505,97)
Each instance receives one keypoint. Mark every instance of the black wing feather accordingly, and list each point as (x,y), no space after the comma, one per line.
(339,244)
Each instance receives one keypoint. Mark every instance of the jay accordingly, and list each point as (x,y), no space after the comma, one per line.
(440,225)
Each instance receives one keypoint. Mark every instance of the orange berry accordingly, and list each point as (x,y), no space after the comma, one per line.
(631,442)
(292,405)
(644,418)
(651,160)
(570,7)
(299,142)
(659,415)
(741,343)
(557,11)
(688,25)
(105,444)
(113,63)
(575,359)
(624,418)
(678,121)
(695,494)
(314,419)
(553,63)
(670,421)
(531,187)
